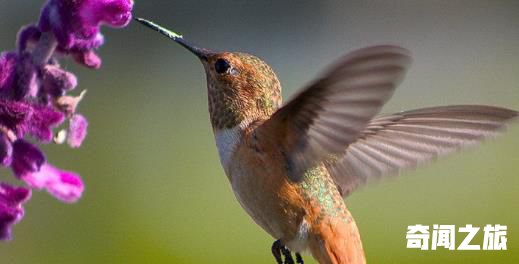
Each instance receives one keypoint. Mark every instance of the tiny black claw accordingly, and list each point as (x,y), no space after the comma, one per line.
(288,255)
(276,251)
(279,249)
(299,259)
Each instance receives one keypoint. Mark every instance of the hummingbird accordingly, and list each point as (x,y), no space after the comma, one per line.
(292,165)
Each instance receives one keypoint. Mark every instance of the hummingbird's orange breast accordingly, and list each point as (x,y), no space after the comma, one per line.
(286,210)
(256,173)
(306,214)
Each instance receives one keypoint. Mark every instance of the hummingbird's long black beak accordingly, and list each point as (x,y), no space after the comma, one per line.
(199,52)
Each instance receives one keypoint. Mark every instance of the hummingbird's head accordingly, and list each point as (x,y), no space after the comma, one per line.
(241,87)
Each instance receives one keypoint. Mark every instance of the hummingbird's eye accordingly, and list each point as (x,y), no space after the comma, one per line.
(221,66)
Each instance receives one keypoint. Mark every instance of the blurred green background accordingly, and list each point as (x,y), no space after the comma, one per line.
(155,191)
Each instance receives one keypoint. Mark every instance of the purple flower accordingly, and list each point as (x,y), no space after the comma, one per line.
(87,58)
(11,210)
(34,100)
(14,117)
(64,185)
(27,158)
(76,25)
(22,117)
(43,119)
(29,165)
(77,130)
(57,81)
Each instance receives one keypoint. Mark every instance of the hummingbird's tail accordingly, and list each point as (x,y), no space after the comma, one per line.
(337,241)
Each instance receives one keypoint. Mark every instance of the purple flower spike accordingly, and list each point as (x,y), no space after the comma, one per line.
(11,210)
(77,130)
(64,185)
(27,158)
(34,99)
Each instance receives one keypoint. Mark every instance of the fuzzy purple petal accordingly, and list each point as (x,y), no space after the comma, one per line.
(77,130)
(11,210)
(27,83)
(115,13)
(6,151)
(27,158)
(21,117)
(43,120)
(27,35)
(57,81)
(15,116)
(64,185)
(8,62)
(81,44)
(87,58)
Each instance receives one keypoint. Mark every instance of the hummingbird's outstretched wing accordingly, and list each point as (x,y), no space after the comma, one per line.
(332,111)
(404,140)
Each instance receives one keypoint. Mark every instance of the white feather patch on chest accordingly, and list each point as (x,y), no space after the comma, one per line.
(226,142)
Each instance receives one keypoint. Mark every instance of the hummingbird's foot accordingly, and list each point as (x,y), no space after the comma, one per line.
(288,255)
(299,259)
(279,249)
(276,251)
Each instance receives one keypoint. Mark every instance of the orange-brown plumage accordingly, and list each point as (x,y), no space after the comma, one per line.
(337,242)
(267,193)
(270,197)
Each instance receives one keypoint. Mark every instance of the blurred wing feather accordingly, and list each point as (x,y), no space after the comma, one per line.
(333,110)
(404,140)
